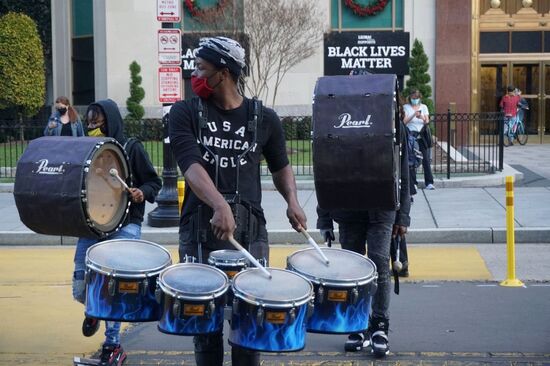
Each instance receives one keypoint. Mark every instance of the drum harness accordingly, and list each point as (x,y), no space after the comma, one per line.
(246,221)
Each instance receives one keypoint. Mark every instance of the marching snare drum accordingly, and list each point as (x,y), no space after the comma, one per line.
(231,262)
(121,278)
(343,288)
(269,315)
(192,297)
(63,186)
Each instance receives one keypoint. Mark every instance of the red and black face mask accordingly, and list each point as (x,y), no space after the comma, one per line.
(201,88)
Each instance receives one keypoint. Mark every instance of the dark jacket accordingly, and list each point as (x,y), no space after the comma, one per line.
(142,171)
(325,218)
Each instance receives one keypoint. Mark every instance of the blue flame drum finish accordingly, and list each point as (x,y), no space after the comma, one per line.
(343,288)
(121,278)
(192,296)
(269,315)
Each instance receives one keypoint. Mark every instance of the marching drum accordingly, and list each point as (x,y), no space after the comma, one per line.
(121,278)
(63,186)
(231,262)
(192,297)
(343,288)
(269,315)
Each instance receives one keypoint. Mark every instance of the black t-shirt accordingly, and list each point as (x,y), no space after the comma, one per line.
(66,129)
(227,136)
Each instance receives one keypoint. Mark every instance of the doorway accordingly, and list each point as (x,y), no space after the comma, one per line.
(533,79)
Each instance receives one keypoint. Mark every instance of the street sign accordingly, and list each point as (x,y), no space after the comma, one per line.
(169,84)
(169,46)
(169,11)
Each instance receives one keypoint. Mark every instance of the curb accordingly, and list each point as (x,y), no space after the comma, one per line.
(414,236)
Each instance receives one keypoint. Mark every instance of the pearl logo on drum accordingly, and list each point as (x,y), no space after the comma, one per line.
(344,121)
(43,168)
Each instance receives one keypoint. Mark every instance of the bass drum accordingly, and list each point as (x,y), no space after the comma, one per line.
(63,186)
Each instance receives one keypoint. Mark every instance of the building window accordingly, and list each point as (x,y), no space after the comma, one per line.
(387,19)
(83,52)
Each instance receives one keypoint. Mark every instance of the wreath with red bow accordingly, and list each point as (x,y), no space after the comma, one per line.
(196,11)
(366,10)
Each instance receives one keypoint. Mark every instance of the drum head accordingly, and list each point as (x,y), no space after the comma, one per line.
(227,256)
(128,258)
(283,289)
(345,267)
(107,200)
(194,281)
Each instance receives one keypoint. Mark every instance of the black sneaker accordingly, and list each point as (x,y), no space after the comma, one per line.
(90,326)
(112,355)
(356,342)
(378,336)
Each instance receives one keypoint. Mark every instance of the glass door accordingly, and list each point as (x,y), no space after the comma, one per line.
(526,77)
(494,79)
(545,126)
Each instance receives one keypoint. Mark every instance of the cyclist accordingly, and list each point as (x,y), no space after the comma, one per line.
(509,105)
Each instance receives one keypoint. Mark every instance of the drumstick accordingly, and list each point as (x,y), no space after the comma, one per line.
(114,173)
(314,244)
(248,255)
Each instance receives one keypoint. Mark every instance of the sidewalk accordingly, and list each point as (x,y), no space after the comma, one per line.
(445,215)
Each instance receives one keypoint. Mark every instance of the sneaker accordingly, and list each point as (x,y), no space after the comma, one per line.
(378,336)
(430,187)
(90,326)
(112,355)
(356,342)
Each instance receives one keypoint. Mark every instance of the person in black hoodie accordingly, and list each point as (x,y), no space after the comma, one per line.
(104,120)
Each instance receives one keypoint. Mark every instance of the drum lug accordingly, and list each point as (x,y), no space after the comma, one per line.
(158,294)
(87,277)
(211,309)
(176,308)
(112,286)
(320,294)
(235,306)
(310,308)
(260,316)
(354,295)
(144,286)
(373,287)
(292,315)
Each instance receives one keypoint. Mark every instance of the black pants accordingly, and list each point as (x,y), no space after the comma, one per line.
(426,164)
(209,347)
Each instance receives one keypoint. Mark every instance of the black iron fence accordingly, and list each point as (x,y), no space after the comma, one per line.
(464,143)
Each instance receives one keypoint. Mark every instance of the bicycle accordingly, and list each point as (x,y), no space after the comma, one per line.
(514,129)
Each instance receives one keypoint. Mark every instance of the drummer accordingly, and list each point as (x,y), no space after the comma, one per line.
(206,212)
(374,228)
(104,120)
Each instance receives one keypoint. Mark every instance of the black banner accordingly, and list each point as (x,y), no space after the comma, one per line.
(377,52)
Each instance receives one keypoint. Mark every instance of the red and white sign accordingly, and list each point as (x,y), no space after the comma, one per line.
(169,43)
(169,11)
(169,84)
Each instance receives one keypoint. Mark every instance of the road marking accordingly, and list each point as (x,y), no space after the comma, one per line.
(486,285)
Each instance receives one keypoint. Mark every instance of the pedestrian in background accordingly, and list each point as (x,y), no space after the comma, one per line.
(64,121)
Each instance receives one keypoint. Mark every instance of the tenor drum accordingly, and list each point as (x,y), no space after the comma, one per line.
(192,297)
(63,186)
(269,315)
(343,288)
(121,277)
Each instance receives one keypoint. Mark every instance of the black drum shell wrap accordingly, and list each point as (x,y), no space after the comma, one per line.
(52,203)
(355,142)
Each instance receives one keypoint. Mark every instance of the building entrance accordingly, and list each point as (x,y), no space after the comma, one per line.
(533,79)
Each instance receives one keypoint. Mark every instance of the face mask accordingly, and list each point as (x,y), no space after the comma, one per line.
(62,110)
(96,132)
(415,101)
(201,88)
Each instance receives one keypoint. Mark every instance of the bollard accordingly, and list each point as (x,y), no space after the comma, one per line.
(511,280)
(181,193)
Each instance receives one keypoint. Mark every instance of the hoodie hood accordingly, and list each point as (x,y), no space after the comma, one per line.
(115,124)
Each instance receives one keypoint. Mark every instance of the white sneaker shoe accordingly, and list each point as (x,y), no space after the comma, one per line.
(430,187)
